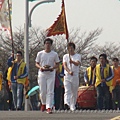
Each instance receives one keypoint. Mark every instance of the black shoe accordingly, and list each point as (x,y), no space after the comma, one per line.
(18,109)
(66,107)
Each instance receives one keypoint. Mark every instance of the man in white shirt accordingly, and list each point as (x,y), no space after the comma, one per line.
(47,61)
(71,64)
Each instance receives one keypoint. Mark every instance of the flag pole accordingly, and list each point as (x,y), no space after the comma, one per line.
(26,48)
(69,55)
(10,29)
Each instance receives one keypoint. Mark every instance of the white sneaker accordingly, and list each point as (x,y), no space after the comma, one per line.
(72,109)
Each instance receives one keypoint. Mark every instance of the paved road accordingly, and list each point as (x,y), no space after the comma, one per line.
(59,115)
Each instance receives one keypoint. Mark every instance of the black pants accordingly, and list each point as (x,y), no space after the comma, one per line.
(116,97)
(103,96)
(57,97)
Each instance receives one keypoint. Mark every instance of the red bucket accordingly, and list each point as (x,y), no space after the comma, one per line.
(86,97)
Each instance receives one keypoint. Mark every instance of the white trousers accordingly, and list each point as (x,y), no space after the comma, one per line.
(46,83)
(71,85)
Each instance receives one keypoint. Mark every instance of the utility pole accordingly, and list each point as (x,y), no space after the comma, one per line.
(26,36)
(26,44)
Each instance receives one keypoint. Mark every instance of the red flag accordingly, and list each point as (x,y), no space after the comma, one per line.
(60,25)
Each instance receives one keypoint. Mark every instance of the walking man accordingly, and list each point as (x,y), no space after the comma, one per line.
(116,84)
(47,61)
(104,75)
(17,73)
(71,64)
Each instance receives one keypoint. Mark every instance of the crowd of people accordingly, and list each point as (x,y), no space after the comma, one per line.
(59,80)
(106,80)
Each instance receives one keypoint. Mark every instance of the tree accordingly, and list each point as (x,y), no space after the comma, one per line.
(111,49)
(84,43)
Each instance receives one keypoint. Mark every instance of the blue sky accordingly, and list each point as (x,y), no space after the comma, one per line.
(84,14)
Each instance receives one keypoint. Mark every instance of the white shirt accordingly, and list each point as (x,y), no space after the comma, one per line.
(72,67)
(44,58)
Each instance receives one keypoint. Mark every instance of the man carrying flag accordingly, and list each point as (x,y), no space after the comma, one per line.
(71,64)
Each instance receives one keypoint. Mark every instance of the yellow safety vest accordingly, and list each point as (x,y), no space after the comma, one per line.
(89,73)
(20,72)
(98,75)
(1,79)
(60,70)
(111,87)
